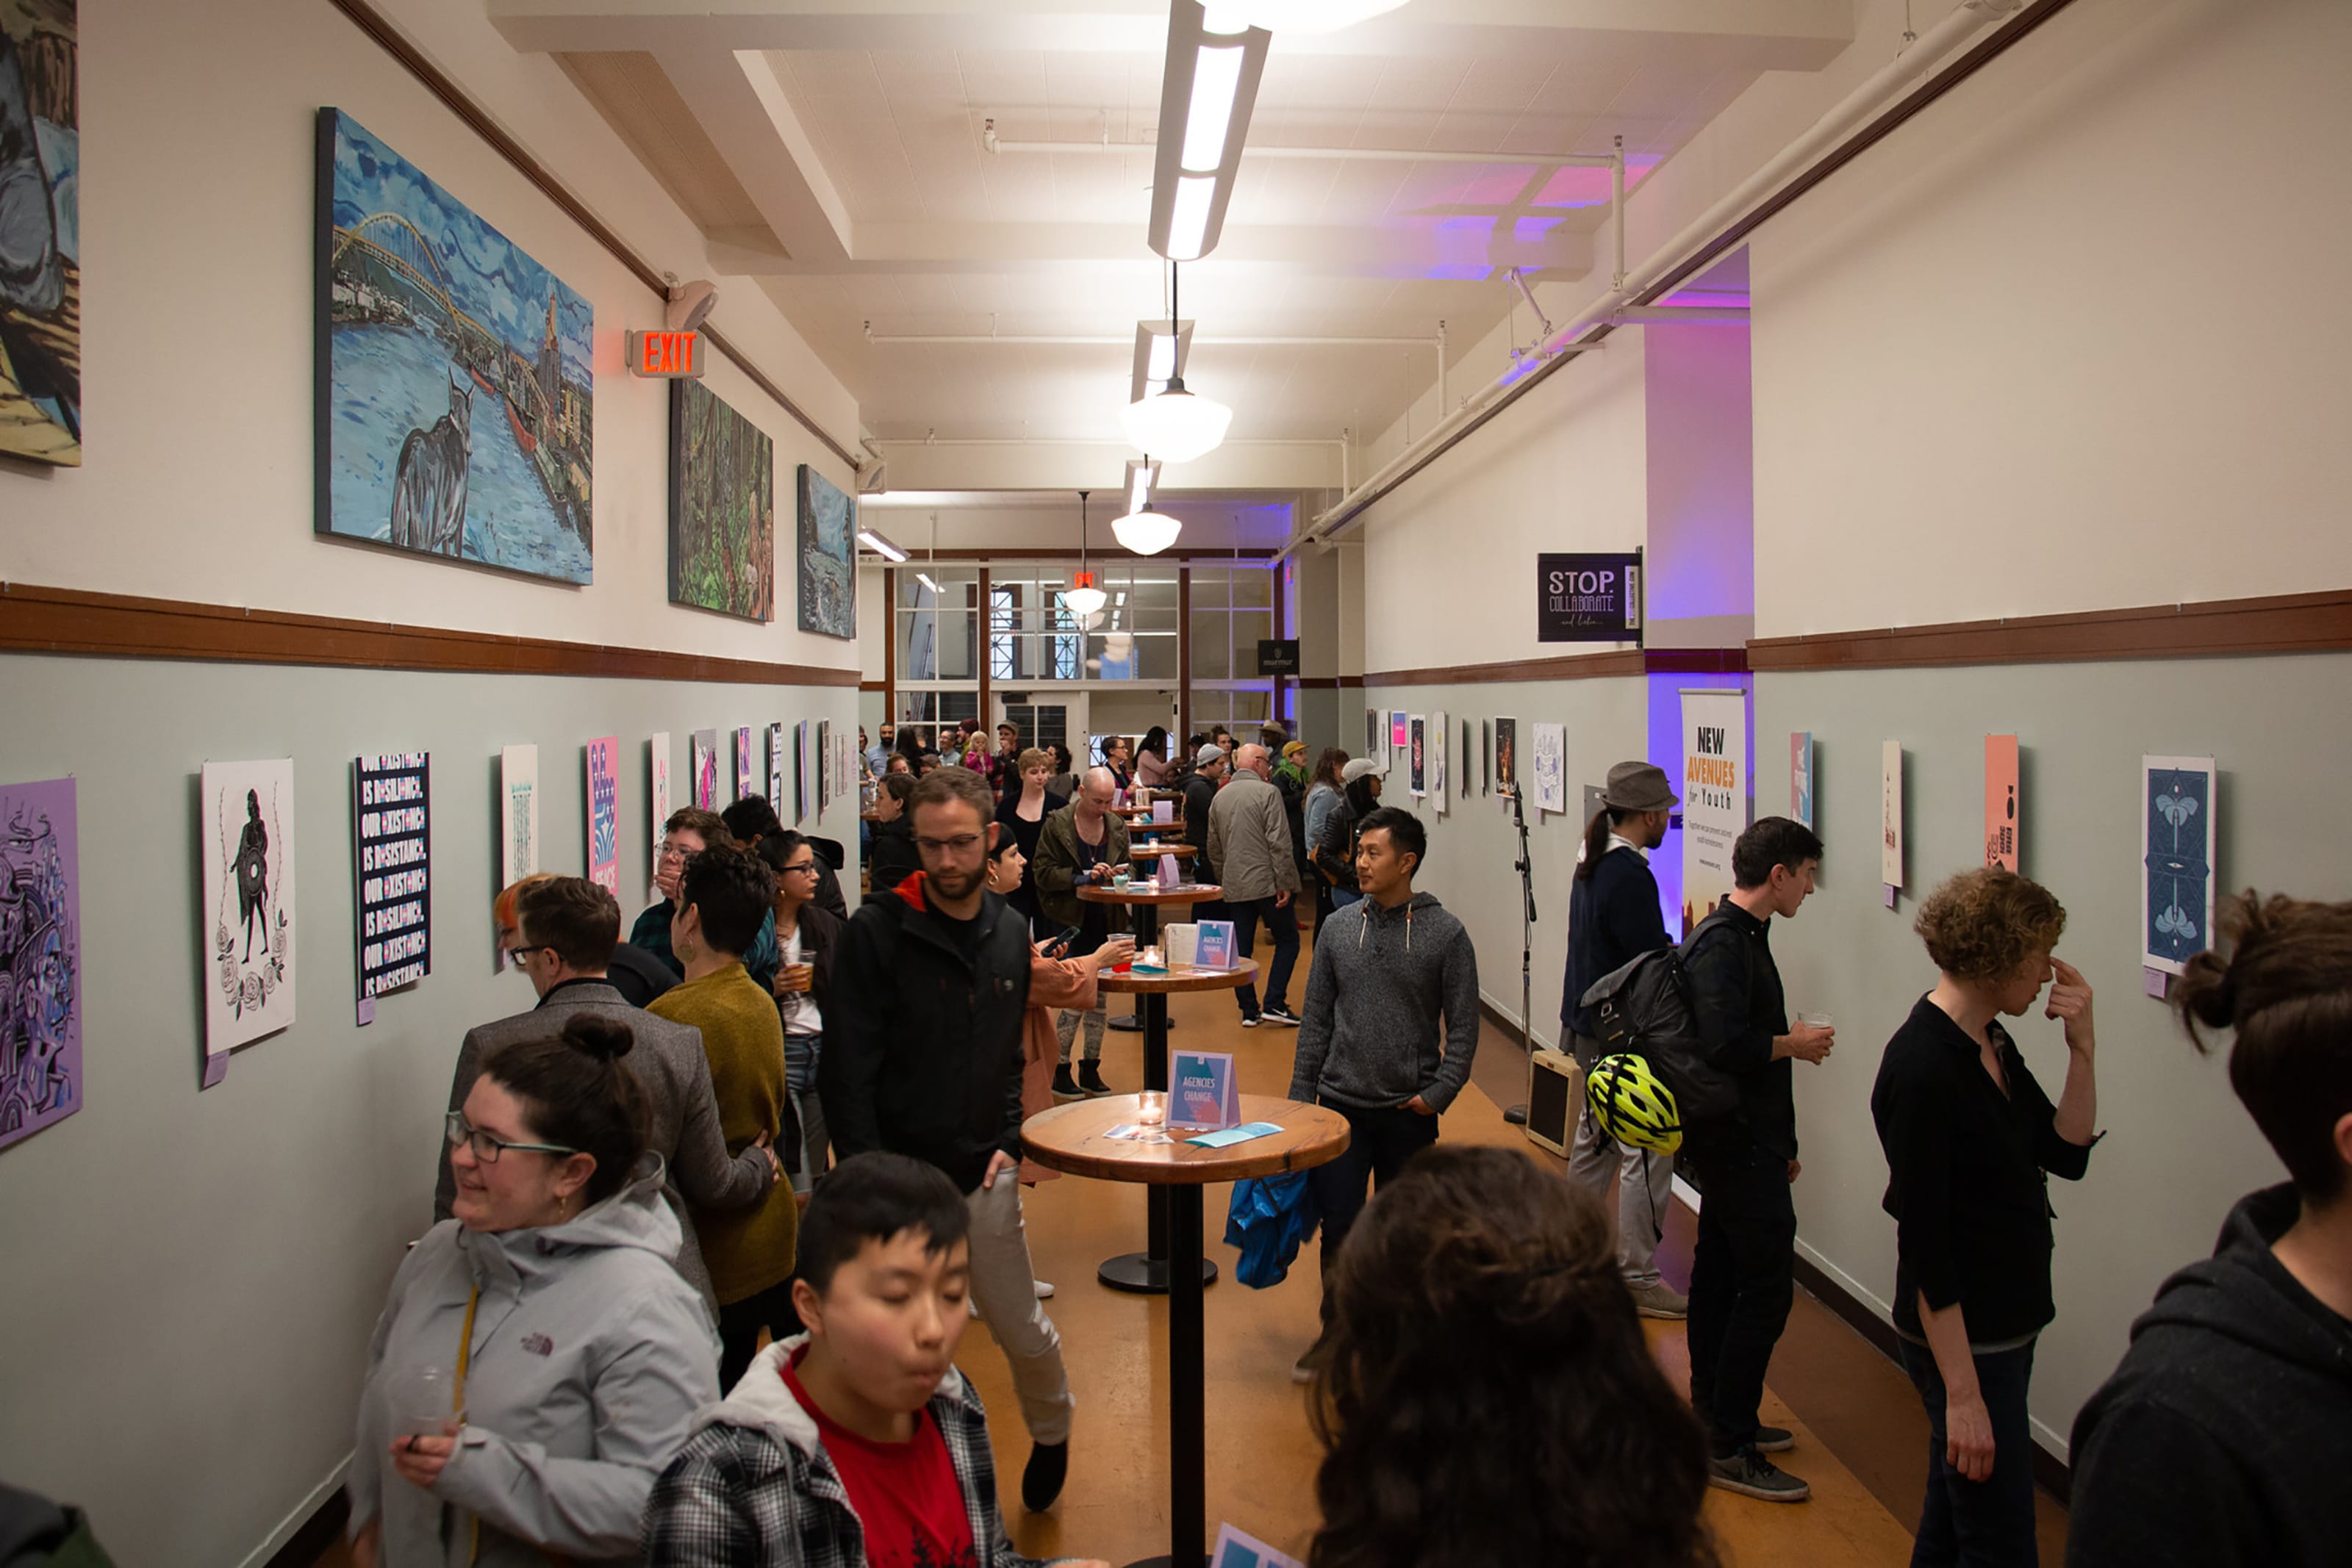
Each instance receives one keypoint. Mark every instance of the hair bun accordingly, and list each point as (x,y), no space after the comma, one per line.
(2206,991)
(603,1038)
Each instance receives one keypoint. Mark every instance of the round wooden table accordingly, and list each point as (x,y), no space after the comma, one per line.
(1153,852)
(1149,899)
(1071,1138)
(1146,1272)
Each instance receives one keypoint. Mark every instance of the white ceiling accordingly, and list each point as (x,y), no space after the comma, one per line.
(832,149)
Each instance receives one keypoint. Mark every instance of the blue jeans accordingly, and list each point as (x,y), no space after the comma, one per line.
(1281,920)
(1343,896)
(1986,1523)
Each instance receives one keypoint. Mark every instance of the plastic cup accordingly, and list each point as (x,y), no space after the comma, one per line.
(1817,1021)
(424,1401)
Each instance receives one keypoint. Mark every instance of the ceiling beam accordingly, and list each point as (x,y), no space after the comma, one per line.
(742,108)
(1333,251)
(1780,35)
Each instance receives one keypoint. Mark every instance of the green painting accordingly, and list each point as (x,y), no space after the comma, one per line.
(722,506)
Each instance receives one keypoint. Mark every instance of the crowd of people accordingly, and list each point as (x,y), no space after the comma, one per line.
(713,1216)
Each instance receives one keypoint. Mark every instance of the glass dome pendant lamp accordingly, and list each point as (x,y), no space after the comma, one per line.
(1176,424)
(1085,597)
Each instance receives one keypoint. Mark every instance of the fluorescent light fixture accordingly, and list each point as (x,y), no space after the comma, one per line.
(1142,478)
(924,579)
(1119,600)
(1159,355)
(1207,88)
(1307,16)
(880,545)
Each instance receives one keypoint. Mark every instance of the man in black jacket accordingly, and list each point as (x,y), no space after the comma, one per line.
(1614,917)
(1742,1269)
(1199,794)
(922,1057)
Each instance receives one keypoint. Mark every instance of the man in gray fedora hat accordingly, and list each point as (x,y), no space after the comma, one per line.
(1614,917)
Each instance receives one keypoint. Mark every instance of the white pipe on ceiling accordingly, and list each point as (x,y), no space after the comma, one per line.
(975,338)
(1665,314)
(1916,60)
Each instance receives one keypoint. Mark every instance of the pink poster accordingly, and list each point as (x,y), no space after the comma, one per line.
(2001,800)
(605,813)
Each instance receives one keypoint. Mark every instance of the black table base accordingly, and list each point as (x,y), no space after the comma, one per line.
(1146,1272)
(1141,1274)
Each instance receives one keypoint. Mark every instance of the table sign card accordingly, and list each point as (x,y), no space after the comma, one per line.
(1216,948)
(1170,877)
(1202,1092)
(1235,1550)
(1163,812)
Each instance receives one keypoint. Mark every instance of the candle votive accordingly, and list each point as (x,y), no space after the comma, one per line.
(1151,1108)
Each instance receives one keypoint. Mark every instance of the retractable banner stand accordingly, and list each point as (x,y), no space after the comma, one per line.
(1715,796)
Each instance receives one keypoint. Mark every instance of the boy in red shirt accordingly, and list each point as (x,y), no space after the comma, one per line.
(858,1442)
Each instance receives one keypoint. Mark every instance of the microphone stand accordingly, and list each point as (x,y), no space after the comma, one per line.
(1516,1116)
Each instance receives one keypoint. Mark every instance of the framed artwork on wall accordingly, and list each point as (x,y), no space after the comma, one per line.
(1417,770)
(40,235)
(519,813)
(605,813)
(248,916)
(455,380)
(828,575)
(658,780)
(2177,800)
(392,798)
(1507,755)
(40,959)
(722,506)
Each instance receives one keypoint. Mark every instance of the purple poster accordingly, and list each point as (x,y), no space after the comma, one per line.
(40,957)
(605,813)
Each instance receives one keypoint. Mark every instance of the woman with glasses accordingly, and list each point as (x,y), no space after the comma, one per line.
(539,1362)
(724,896)
(806,931)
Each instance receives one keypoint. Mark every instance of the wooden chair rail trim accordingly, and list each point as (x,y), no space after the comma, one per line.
(1614,663)
(2277,623)
(38,619)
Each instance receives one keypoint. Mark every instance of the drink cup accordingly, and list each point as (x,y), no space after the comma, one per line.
(425,1401)
(1822,1021)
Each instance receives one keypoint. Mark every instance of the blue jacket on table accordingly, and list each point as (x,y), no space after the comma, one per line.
(1613,919)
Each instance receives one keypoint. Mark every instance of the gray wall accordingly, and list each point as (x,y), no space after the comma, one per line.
(2179,1149)
(190,1279)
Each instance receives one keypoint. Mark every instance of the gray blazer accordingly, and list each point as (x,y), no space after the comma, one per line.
(684,1115)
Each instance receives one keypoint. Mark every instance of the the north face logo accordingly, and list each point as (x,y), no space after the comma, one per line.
(538,1344)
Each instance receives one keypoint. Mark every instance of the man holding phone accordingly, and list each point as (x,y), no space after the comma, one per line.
(1084,844)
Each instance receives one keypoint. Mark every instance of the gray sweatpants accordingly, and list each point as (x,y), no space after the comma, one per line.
(1645,1183)
(1005,1288)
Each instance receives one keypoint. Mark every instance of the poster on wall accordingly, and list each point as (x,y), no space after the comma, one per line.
(605,813)
(1417,767)
(779,772)
(1466,781)
(722,506)
(747,766)
(1890,818)
(1551,767)
(1400,731)
(1506,755)
(1486,757)
(40,235)
(2178,796)
(828,576)
(1589,598)
(827,769)
(804,795)
(393,793)
(1373,729)
(702,758)
(456,385)
(657,792)
(248,910)
(1438,733)
(1800,777)
(2000,820)
(40,957)
(1715,796)
(519,807)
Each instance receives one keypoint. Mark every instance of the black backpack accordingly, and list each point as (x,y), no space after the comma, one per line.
(1644,1008)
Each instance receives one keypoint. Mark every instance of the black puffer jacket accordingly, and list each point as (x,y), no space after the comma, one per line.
(892,857)
(922,1047)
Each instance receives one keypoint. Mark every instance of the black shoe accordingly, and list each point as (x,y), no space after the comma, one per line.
(1279,1012)
(1065,1086)
(1750,1474)
(1773,1440)
(1042,1478)
(1090,1079)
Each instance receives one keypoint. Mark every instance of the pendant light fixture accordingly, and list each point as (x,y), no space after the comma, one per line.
(1143,529)
(1084,598)
(1178,424)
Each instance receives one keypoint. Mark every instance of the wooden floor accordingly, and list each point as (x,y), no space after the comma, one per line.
(1861,1433)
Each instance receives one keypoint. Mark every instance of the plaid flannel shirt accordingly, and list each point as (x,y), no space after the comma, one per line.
(753,1488)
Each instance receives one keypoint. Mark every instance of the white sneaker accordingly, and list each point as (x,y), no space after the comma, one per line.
(1044,1291)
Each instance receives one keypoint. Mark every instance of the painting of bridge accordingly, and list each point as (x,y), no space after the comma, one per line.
(455,380)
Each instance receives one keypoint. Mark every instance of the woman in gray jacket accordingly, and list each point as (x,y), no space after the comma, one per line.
(539,1361)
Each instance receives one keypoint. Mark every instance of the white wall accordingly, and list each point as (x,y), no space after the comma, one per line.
(2073,340)
(198,268)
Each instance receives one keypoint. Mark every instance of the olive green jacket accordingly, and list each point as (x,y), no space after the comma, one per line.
(1055,869)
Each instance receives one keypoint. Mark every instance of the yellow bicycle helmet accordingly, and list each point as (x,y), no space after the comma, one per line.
(1632,1105)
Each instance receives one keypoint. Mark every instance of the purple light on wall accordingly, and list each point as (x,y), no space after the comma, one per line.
(1665,749)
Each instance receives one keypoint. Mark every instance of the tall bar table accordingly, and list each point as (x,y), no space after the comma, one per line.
(1072,1139)
(1147,922)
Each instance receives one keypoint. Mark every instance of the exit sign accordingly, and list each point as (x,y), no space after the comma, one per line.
(666,354)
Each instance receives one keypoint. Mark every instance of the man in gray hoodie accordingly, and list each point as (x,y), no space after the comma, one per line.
(1394,974)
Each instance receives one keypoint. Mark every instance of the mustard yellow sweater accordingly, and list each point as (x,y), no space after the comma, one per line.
(746,1250)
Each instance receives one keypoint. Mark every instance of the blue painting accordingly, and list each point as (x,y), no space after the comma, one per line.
(454,375)
(827,572)
(2177,796)
(40,230)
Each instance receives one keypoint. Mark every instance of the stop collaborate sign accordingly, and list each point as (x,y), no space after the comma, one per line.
(1589,598)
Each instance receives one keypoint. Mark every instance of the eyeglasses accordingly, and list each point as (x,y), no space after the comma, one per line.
(961,844)
(485,1148)
(808,866)
(515,955)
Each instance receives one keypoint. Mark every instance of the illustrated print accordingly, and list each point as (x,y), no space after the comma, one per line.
(248,850)
(704,761)
(2177,893)
(605,813)
(40,957)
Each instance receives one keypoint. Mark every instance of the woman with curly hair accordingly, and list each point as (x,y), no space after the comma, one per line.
(1482,1336)
(1972,1142)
